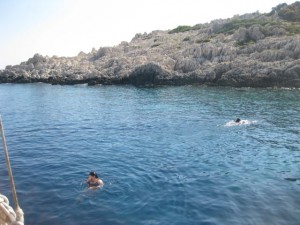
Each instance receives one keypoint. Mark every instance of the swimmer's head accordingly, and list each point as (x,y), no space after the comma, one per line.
(238,120)
(93,174)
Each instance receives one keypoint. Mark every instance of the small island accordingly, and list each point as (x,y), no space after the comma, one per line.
(251,50)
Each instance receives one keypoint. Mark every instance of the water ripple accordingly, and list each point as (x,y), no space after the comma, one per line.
(164,154)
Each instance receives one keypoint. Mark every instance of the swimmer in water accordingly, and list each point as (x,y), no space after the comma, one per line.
(239,121)
(94,181)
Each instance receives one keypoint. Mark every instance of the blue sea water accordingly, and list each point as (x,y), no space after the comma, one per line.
(164,153)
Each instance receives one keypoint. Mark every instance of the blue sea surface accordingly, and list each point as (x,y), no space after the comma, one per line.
(165,154)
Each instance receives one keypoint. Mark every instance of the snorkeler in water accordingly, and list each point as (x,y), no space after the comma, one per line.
(94,181)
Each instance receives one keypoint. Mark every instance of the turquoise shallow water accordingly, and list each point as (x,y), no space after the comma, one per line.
(164,154)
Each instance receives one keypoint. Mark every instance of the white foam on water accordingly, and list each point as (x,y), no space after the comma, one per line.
(242,122)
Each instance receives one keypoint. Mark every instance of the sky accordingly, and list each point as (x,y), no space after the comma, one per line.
(66,27)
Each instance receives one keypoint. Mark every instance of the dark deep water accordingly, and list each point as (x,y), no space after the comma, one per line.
(164,154)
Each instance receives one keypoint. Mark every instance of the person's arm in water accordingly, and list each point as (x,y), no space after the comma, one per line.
(100,182)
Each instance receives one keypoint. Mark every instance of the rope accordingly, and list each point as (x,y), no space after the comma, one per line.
(7,215)
(19,215)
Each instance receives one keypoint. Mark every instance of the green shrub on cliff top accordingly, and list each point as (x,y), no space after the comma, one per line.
(288,12)
(230,27)
(292,28)
(285,12)
(180,29)
(186,28)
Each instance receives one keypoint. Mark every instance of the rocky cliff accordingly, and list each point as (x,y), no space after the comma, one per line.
(252,50)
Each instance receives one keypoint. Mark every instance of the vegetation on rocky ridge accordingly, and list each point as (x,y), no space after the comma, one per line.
(256,50)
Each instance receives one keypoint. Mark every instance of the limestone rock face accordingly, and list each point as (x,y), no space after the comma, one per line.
(147,74)
(253,50)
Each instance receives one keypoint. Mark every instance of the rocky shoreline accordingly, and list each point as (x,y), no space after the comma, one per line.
(252,50)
